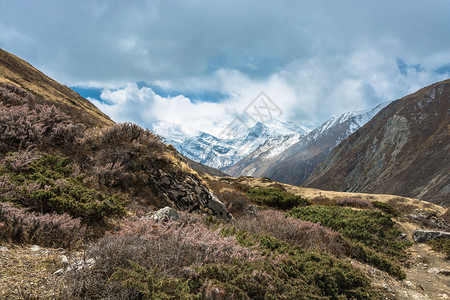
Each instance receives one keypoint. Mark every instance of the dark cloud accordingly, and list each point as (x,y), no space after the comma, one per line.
(317,57)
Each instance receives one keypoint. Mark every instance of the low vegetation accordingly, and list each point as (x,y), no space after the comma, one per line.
(386,208)
(46,184)
(441,245)
(373,237)
(276,198)
(371,228)
(189,259)
(48,230)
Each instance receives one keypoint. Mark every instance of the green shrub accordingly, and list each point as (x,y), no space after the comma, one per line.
(151,284)
(371,228)
(276,198)
(440,245)
(289,273)
(226,179)
(372,235)
(243,187)
(47,185)
(386,208)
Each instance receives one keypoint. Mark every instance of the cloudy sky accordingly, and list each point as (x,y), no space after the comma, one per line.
(178,67)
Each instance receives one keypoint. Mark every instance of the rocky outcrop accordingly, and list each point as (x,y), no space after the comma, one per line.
(428,219)
(185,192)
(423,236)
(404,150)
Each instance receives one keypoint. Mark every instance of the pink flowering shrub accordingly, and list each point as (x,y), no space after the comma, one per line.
(50,230)
(306,234)
(172,247)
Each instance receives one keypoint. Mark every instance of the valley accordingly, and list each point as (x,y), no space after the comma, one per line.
(92,209)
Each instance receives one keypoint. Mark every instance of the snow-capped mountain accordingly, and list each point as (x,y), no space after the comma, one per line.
(297,160)
(224,152)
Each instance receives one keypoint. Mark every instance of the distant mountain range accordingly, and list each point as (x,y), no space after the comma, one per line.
(295,163)
(224,153)
(282,151)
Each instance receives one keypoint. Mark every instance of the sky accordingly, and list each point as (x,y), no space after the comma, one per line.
(181,67)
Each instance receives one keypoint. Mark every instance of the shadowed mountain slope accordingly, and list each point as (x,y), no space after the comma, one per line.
(404,150)
(297,162)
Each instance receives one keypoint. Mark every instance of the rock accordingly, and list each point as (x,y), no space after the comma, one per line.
(64,260)
(388,288)
(81,264)
(429,219)
(218,208)
(35,248)
(409,284)
(165,214)
(58,272)
(186,192)
(439,271)
(422,236)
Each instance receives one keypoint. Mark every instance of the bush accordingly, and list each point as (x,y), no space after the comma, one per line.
(236,202)
(401,204)
(150,284)
(185,260)
(291,273)
(322,200)
(295,232)
(354,202)
(372,236)
(45,184)
(441,245)
(48,230)
(276,198)
(371,228)
(40,125)
(243,187)
(163,249)
(386,208)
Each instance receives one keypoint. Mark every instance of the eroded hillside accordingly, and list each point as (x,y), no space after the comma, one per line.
(403,150)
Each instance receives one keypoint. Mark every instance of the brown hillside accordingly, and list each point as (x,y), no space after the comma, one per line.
(404,150)
(14,70)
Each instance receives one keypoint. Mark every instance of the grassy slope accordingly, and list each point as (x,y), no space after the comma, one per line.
(16,71)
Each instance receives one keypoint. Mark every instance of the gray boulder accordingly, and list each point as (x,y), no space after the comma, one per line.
(165,214)
(423,236)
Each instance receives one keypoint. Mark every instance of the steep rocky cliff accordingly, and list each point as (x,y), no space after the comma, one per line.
(404,150)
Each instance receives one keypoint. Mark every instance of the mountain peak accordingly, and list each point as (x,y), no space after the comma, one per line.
(403,150)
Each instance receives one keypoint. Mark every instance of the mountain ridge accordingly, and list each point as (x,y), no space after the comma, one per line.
(17,71)
(296,162)
(223,152)
(403,150)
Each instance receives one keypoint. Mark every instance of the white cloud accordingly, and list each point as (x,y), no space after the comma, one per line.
(170,116)
(315,59)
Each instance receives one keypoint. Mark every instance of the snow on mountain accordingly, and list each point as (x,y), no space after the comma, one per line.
(291,159)
(222,153)
(353,120)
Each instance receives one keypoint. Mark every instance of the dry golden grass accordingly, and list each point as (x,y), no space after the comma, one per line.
(16,71)
(28,274)
(311,193)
